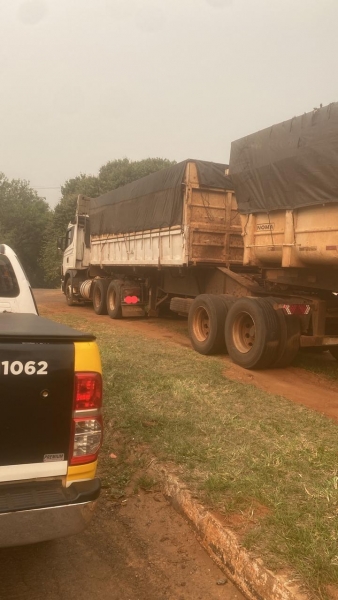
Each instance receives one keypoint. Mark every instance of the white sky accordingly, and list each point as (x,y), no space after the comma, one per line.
(87,81)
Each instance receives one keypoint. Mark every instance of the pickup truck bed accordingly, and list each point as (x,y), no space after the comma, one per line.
(28,327)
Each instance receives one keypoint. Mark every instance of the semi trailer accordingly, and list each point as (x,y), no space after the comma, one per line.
(248,252)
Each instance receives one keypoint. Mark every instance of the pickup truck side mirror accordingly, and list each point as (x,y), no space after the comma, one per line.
(61,243)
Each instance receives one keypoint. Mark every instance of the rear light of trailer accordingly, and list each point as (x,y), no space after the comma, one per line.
(131,300)
(87,426)
(296,309)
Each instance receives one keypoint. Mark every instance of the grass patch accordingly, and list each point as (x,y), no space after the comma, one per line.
(238,447)
(146,483)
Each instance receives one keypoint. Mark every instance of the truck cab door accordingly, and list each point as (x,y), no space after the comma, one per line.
(69,256)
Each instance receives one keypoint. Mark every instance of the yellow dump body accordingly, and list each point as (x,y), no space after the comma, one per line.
(304,237)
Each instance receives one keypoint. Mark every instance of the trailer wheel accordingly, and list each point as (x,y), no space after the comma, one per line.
(69,291)
(289,340)
(252,333)
(228,301)
(334,351)
(100,296)
(114,300)
(206,324)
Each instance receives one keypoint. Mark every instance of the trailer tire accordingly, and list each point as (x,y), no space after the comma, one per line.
(289,340)
(206,324)
(114,306)
(334,352)
(100,296)
(252,333)
(69,291)
(228,301)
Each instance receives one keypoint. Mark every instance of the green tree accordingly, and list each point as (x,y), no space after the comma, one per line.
(112,175)
(23,220)
(116,173)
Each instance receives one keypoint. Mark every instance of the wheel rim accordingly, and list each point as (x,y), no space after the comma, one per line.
(244,332)
(97,297)
(112,300)
(201,324)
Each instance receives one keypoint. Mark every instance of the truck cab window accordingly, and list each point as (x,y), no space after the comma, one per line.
(9,287)
(69,236)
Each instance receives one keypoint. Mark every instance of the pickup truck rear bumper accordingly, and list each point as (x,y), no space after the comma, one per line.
(35,512)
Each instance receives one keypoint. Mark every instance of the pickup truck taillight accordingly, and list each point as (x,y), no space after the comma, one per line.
(87,427)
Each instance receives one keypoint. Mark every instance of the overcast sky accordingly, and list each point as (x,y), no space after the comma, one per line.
(87,81)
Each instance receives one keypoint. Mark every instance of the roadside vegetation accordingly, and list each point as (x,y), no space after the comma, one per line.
(266,465)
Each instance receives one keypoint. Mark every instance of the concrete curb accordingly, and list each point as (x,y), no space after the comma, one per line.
(249,574)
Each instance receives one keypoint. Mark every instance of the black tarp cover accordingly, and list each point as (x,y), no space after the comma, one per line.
(289,165)
(153,202)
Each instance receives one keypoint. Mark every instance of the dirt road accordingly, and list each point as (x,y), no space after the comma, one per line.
(298,385)
(140,549)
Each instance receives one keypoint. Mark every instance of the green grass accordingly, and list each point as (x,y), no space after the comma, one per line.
(238,448)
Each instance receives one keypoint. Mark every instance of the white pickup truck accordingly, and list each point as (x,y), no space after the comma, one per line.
(51,421)
(16,295)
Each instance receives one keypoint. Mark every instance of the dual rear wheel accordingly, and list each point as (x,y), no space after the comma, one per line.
(255,335)
(107,298)
(206,322)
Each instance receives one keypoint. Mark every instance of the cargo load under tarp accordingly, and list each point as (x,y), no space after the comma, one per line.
(153,202)
(290,165)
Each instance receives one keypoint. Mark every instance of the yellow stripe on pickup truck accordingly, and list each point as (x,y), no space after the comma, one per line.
(79,472)
(87,357)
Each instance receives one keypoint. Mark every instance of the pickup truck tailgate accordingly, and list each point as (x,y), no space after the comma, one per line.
(36,396)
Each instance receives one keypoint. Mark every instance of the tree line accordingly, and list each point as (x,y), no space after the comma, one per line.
(32,228)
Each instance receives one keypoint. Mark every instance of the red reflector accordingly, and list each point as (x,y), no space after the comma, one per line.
(87,391)
(297,309)
(131,300)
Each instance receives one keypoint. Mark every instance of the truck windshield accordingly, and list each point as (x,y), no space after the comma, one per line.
(9,287)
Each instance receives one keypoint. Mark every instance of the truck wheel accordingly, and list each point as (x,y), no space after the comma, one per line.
(334,352)
(114,300)
(206,324)
(252,333)
(228,301)
(100,296)
(289,340)
(69,292)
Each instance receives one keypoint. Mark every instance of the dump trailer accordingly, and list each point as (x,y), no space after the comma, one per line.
(156,242)
(250,256)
